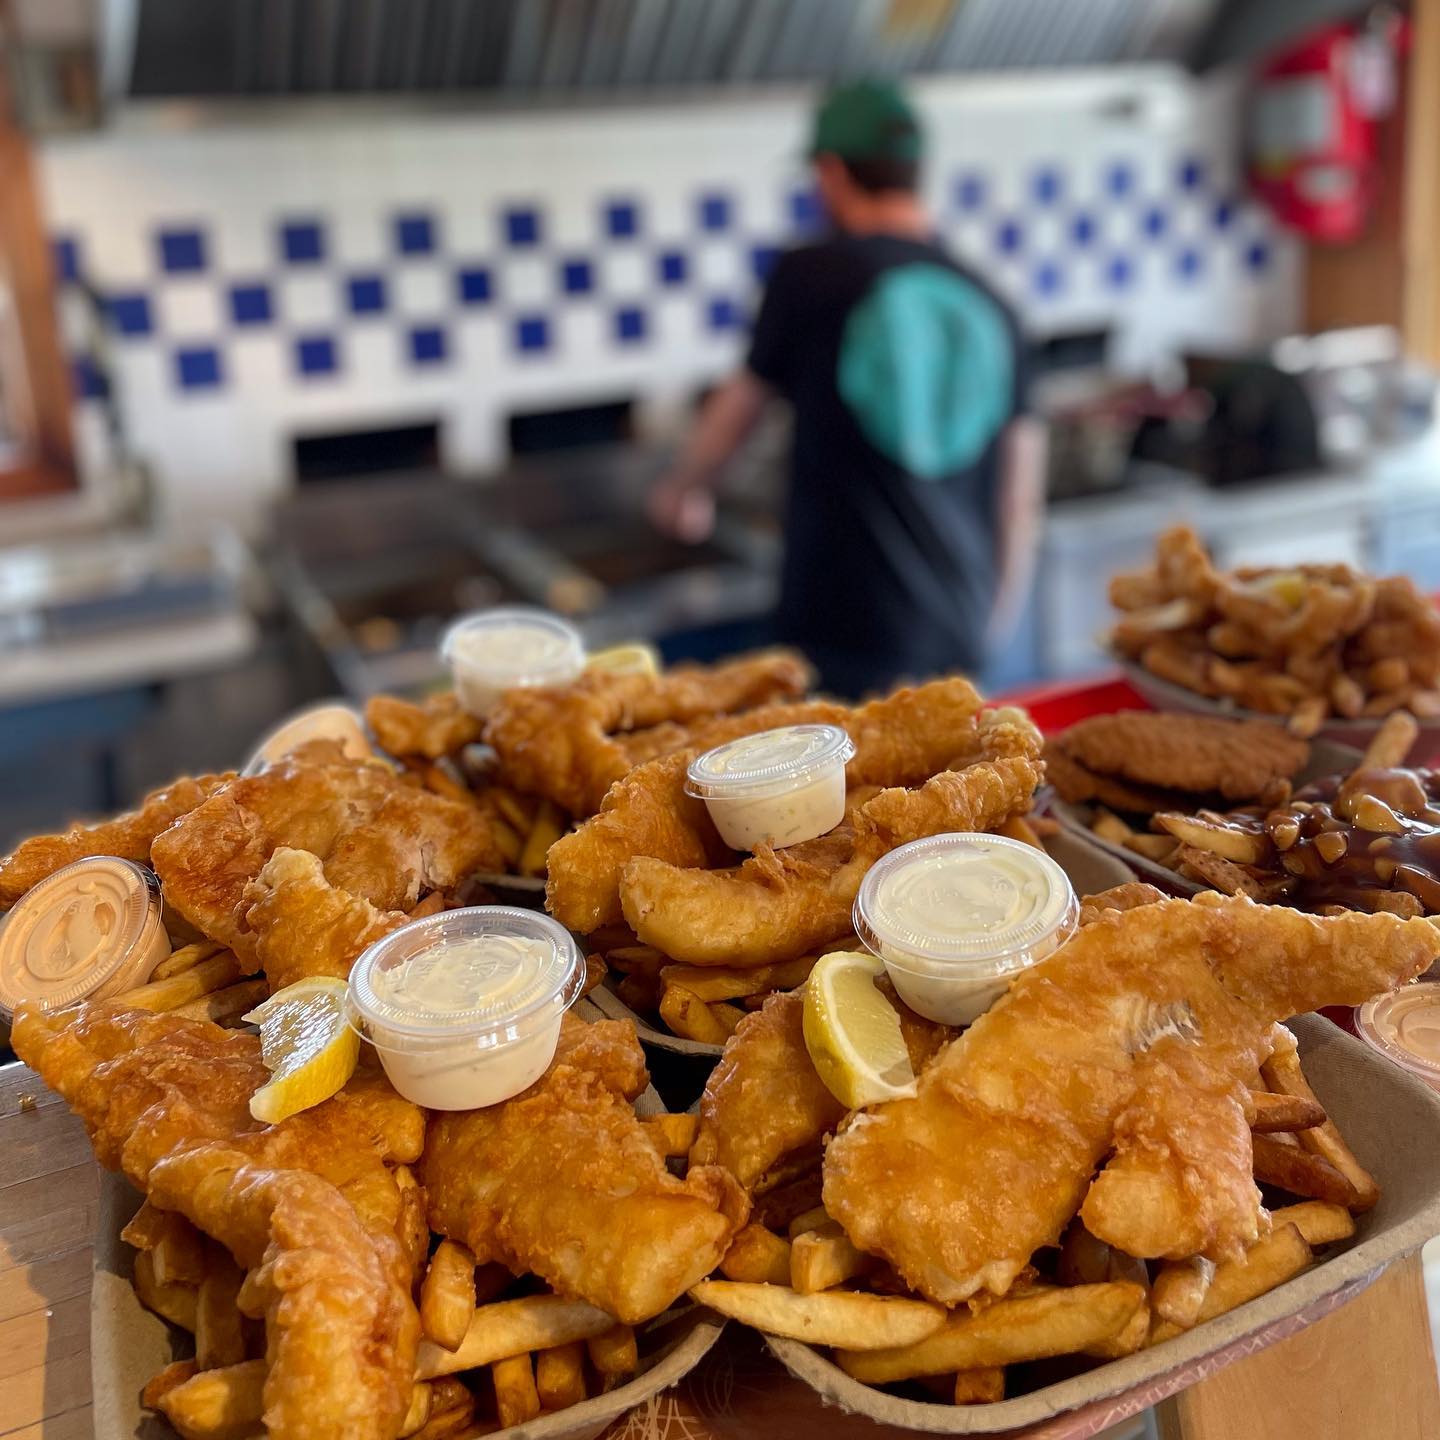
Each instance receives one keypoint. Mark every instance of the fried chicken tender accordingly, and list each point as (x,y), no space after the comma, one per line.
(308,1206)
(1140,1035)
(129,836)
(564,1181)
(303,925)
(901,739)
(1079,786)
(1238,759)
(436,726)
(560,741)
(378,838)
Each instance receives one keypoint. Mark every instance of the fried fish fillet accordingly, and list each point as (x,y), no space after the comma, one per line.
(308,1207)
(1079,786)
(899,740)
(564,1181)
(1137,1040)
(433,727)
(1201,754)
(380,839)
(129,836)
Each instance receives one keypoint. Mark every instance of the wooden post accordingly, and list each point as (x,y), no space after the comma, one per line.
(1422,186)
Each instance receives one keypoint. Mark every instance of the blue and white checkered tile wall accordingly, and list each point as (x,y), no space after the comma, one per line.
(1103,230)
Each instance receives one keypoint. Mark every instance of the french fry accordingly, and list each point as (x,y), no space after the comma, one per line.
(1131,1337)
(845,1318)
(438,782)
(175,1303)
(560,1376)
(224,1404)
(1308,716)
(1318,1221)
(985,1386)
(518,810)
(814,1218)
(1239,846)
(671,1135)
(516,1398)
(1179,1290)
(512,1327)
(614,1354)
(718,983)
(509,843)
(630,958)
(549,826)
(689,1016)
(759,1256)
(432,904)
(1282,1073)
(1216,871)
(159,1385)
(775,1209)
(1392,742)
(821,1262)
(177,1249)
(1058,1321)
(448,1393)
(411,1226)
(219,1334)
(1301,1172)
(418,1411)
(595,972)
(147,1225)
(181,959)
(491,1280)
(1284,1112)
(221,1006)
(200,979)
(728,1017)
(1159,848)
(639,991)
(451,1423)
(1109,826)
(447,1296)
(1018,828)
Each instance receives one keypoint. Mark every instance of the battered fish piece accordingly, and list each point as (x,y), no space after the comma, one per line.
(436,726)
(1103,1046)
(564,1181)
(1239,759)
(1078,786)
(379,839)
(129,836)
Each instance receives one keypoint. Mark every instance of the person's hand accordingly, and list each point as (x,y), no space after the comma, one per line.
(682,508)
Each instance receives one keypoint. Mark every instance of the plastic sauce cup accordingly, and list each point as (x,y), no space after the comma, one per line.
(88,932)
(316,722)
(957,917)
(1404,1026)
(777,787)
(492,651)
(464,1007)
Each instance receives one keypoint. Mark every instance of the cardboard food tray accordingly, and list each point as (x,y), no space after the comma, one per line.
(129,1343)
(1089,867)
(1326,758)
(1391,1119)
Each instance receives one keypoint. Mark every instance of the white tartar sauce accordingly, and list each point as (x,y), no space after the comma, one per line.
(497,650)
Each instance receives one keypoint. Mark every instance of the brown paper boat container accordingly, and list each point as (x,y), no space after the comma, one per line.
(1326,758)
(1089,867)
(128,1343)
(1393,1122)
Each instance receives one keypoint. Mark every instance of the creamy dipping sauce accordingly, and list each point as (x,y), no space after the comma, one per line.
(497,650)
(956,917)
(87,932)
(319,722)
(778,787)
(464,1007)
(1405,1027)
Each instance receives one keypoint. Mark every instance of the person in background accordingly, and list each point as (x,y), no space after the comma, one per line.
(912,514)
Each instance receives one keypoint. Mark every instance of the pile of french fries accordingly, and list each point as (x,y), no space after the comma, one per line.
(793,1272)
(1311,847)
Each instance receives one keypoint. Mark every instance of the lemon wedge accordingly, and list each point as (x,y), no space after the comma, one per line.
(853,1032)
(307,1046)
(626,660)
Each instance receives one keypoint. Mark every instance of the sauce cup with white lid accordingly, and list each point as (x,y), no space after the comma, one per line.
(957,917)
(776,787)
(327,721)
(493,651)
(90,931)
(1404,1026)
(464,1007)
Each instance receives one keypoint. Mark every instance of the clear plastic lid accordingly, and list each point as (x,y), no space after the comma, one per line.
(489,973)
(515,645)
(964,902)
(76,931)
(767,763)
(1404,1026)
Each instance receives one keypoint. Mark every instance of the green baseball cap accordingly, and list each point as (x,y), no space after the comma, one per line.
(867,120)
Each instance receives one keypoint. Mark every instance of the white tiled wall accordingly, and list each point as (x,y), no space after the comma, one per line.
(1095,198)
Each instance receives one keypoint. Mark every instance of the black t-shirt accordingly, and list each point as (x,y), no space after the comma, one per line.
(903,369)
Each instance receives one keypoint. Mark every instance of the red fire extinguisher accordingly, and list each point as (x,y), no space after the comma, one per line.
(1314,122)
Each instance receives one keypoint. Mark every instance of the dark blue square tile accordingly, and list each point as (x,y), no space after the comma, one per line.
(1189,263)
(1155,222)
(1191,173)
(1009,237)
(577,277)
(474,285)
(414,234)
(1048,280)
(1046,185)
(971,191)
(250,304)
(805,209)
(302,242)
(130,314)
(1119,179)
(181,250)
(366,294)
(716,212)
(722,313)
(1257,256)
(1119,272)
(532,333)
(622,219)
(87,380)
(65,255)
(427,345)
(762,260)
(673,267)
(315,355)
(1223,215)
(197,367)
(522,227)
(1082,230)
(630,325)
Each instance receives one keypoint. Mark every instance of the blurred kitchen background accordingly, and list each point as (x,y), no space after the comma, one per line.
(324,320)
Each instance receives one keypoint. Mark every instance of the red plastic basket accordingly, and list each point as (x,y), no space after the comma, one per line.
(1062,702)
